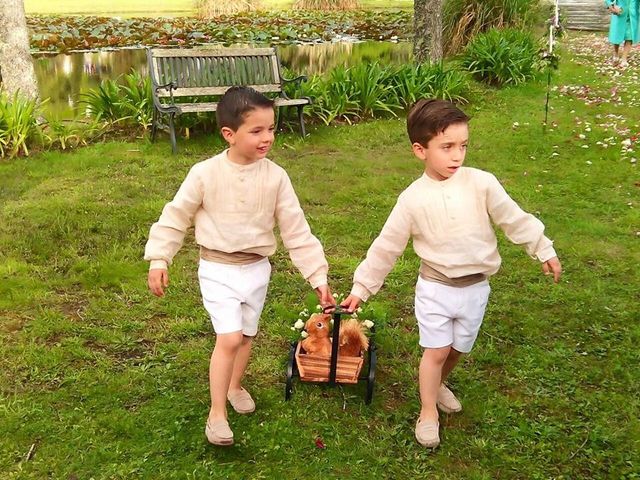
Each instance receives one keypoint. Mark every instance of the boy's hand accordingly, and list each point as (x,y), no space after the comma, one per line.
(552,266)
(325,297)
(158,280)
(351,303)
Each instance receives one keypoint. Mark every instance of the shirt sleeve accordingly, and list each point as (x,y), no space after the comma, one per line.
(383,253)
(304,248)
(167,234)
(520,227)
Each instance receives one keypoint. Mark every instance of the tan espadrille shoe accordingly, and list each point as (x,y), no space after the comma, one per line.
(447,401)
(242,402)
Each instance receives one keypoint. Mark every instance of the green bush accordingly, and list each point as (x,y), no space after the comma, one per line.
(503,57)
(374,90)
(127,100)
(464,19)
(18,124)
(412,82)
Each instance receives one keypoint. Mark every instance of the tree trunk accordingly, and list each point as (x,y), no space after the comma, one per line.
(16,65)
(427,26)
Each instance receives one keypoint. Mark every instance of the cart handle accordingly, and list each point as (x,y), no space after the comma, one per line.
(336,310)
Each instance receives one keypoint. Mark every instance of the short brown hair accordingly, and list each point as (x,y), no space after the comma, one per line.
(430,117)
(236,103)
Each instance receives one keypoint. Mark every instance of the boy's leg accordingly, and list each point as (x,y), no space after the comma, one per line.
(430,377)
(240,364)
(220,372)
(452,360)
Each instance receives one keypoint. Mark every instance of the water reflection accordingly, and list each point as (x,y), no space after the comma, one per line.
(62,78)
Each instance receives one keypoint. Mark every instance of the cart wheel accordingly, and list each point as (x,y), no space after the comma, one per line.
(371,379)
(291,368)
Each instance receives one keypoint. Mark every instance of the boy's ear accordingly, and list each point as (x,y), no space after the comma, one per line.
(228,134)
(419,150)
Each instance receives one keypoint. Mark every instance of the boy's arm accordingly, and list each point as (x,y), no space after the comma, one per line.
(520,227)
(167,234)
(304,248)
(382,255)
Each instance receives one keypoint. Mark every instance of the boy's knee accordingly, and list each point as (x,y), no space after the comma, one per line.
(230,341)
(436,355)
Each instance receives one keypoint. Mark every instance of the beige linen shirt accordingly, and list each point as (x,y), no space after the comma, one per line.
(450,224)
(235,208)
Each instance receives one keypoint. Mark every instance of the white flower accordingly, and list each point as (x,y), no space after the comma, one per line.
(626,142)
(299,324)
(293,328)
(318,307)
(359,310)
(335,295)
(368,323)
(304,334)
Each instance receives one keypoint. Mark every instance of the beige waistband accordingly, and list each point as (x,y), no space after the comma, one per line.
(430,274)
(235,258)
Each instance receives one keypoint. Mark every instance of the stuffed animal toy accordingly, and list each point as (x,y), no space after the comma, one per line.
(353,341)
(318,342)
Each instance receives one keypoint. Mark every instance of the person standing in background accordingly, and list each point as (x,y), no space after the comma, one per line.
(623,27)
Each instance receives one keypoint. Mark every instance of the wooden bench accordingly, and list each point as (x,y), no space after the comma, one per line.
(187,80)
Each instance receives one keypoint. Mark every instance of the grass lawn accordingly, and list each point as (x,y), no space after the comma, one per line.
(104,381)
(159,7)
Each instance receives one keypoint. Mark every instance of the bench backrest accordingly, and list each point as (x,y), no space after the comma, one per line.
(197,72)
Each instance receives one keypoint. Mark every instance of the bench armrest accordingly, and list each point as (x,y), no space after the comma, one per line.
(298,80)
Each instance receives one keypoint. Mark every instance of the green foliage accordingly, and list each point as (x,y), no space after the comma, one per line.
(70,134)
(503,57)
(464,19)
(129,102)
(412,82)
(373,90)
(18,124)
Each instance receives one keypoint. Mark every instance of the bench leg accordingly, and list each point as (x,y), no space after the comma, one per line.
(154,125)
(172,133)
(281,112)
(301,120)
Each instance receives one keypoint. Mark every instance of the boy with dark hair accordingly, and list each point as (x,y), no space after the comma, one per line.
(235,200)
(448,214)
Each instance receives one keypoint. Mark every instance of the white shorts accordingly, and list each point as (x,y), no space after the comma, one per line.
(234,294)
(450,315)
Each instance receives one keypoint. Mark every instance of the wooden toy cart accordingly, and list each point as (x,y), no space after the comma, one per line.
(332,369)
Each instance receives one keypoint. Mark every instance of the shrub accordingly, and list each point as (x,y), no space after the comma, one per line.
(126,100)
(412,82)
(503,57)
(18,124)
(374,90)
(464,19)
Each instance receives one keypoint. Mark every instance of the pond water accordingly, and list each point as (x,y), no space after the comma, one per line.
(62,78)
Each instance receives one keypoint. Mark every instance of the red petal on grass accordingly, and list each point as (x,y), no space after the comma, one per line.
(320,444)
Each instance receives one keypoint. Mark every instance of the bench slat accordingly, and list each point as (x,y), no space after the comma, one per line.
(196,91)
(210,52)
(212,106)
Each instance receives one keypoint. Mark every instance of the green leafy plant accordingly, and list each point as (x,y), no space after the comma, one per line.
(18,124)
(503,57)
(126,99)
(412,82)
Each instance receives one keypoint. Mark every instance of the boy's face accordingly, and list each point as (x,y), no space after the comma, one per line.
(253,139)
(445,152)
